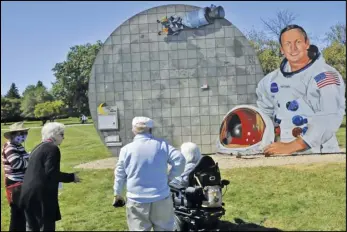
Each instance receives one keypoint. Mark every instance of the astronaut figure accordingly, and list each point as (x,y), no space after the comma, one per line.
(305,98)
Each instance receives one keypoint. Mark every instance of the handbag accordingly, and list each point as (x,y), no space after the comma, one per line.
(13,192)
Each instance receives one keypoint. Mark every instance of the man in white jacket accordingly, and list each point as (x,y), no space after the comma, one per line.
(142,168)
(305,97)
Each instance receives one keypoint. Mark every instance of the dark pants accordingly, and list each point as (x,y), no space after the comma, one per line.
(17,222)
(37,222)
(17,219)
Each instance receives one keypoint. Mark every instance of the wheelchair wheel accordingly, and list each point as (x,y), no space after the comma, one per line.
(180,224)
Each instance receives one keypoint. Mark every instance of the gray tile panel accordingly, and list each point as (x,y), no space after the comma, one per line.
(161,77)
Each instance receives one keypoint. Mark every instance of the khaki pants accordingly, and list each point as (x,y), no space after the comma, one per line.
(158,215)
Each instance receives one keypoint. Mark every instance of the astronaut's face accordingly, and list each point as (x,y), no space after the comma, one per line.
(294,47)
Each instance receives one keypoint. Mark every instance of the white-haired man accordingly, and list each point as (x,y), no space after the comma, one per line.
(192,154)
(142,165)
(39,195)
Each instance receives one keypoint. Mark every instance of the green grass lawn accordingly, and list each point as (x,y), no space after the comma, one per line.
(66,121)
(293,197)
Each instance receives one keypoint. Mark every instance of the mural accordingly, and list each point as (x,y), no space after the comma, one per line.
(185,82)
(174,24)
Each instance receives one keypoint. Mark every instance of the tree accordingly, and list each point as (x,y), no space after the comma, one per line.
(72,77)
(337,34)
(267,46)
(10,109)
(13,92)
(335,55)
(267,50)
(28,89)
(39,84)
(48,110)
(32,96)
(269,60)
(335,52)
(275,25)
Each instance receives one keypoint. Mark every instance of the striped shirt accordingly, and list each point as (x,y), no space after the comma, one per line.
(15,160)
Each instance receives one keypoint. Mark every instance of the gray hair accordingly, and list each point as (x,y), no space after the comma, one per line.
(51,130)
(191,152)
(141,128)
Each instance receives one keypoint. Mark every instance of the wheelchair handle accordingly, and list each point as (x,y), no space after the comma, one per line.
(225,182)
(118,203)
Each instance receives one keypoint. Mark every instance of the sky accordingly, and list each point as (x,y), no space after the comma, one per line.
(37,35)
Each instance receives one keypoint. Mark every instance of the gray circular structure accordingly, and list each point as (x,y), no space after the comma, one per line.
(186,82)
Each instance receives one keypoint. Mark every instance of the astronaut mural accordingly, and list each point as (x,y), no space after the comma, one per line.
(198,80)
(245,130)
(299,111)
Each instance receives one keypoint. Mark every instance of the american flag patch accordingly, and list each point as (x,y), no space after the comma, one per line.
(327,78)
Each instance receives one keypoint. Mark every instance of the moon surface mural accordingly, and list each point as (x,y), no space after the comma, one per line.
(186,78)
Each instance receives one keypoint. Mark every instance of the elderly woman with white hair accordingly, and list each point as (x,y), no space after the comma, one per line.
(142,168)
(39,195)
(192,154)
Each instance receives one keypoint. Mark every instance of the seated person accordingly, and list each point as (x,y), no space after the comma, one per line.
(192,154)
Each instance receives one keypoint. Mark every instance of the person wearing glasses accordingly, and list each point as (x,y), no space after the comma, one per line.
(15,162)
(39,195)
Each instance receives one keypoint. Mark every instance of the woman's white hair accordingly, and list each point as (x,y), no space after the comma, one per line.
(191,152)
(51,130)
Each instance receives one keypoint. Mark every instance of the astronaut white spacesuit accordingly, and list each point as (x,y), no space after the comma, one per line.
(312,100)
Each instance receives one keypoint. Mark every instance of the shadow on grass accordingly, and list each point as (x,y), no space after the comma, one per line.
(241,225)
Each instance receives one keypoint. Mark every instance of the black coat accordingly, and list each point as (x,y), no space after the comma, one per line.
(40,185)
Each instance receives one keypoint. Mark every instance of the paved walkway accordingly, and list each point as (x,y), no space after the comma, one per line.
(227,162)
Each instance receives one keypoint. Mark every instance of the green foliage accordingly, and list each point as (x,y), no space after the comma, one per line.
(267,50)
(269,60)
(10,109)
(39,84)
(335,55)
(49,109)
(28,89)
(13,92)
(337,34)
(72,77)
(31,97)
(335,52)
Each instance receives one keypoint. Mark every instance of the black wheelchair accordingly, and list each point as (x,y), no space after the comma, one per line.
(199,206)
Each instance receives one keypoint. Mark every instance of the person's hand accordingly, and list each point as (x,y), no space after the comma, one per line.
(77,179)
(118,201)
(280,148)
